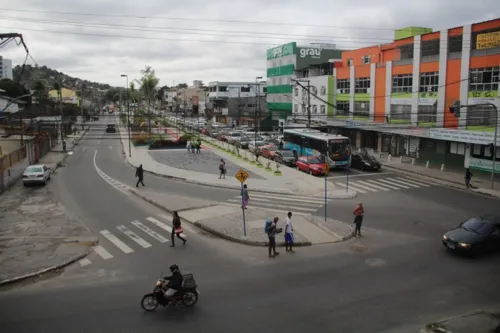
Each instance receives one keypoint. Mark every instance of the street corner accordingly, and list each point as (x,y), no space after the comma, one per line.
(476,321)
(340,230)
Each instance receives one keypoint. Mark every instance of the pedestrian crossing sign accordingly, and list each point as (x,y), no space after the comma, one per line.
(241,175)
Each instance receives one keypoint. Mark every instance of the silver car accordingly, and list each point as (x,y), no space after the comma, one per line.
(36,174)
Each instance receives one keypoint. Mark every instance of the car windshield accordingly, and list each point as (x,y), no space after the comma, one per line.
(287,153)
(315,160)
(339,147)
(34,169)
(478,226)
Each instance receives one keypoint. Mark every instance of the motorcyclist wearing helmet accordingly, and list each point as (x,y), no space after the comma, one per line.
(174,284)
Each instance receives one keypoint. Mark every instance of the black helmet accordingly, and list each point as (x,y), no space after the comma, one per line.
(174,268)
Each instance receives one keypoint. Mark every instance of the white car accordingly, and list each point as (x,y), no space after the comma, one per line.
(36,174)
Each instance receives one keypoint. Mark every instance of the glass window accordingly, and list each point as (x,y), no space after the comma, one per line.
(343,86)
(478,226)
(342,108)
(402,83)
(429,82)
(484,79)
(362,85)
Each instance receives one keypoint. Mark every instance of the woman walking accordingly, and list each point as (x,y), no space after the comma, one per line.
(222,169)
(246,196)
(358,212)
(176,229)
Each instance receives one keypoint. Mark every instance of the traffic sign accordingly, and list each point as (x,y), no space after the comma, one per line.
(241,175)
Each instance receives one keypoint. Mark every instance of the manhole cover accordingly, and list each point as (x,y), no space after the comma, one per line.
(375,262)
(358,248)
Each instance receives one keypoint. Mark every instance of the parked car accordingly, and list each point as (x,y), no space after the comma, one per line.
(254,146)
(474,236)
(364,161)
(285,157)
(268,151)
(232,135)
(110,128)
(36,174)
(311,164)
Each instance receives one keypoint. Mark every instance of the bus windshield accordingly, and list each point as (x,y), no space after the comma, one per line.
(339,147)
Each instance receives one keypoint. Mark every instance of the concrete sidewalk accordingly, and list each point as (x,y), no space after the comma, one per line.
(37,235)
(449,178)
(290,182)
(227,221)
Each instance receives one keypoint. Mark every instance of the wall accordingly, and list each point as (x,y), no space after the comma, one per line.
(9,146)
(14,173)
(299,97)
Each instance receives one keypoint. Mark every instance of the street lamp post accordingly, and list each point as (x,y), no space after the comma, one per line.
(257,107)
(128,118)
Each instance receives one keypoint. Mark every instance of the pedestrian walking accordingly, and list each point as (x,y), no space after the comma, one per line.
(359,213)
(245,196)
(289,233)
(222,169)
(188,145)
(272,230)
(176,229)
(468,176)
(139,173)
(198,146)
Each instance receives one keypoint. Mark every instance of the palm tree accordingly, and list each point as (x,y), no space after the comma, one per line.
(148,84)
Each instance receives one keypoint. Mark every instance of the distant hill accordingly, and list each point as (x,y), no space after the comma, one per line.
(32,74)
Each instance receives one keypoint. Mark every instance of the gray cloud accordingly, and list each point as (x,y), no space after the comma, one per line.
(87,54)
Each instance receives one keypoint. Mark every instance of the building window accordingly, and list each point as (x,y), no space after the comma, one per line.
(296,91)
(455,44)
(245,89)
(480,116)
(361,109)
(484,152)
(314,90)
(264,90)
(365,60)
(400,113)
(304,108)
(322,90)
(362,85)
(406,51)
(342,108)
(349,62)
(344,86)
(314,109)
(402,83)
(430,47)
(484,79)
(295,108)
(427,113)
(322,109)
(222,89)
(429,82)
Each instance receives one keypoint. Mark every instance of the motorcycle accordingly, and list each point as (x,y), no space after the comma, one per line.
(187,296)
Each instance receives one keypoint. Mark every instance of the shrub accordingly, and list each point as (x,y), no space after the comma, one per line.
(140,139)
(166,144)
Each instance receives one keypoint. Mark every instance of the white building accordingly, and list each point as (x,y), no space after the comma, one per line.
(5,68)
(224,90)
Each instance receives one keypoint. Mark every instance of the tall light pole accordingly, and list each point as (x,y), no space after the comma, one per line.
(128,117)
(257,106)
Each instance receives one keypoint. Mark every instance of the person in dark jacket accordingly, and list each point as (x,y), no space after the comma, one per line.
(468,176)
(359,213)
(174,284)
(139,173)
(176,229)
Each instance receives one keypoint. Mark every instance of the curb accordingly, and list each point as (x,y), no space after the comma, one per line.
(448,183)
(43,271)
(211,230)
(437,325)
(328,231)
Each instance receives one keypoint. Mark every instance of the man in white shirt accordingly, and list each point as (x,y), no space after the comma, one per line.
(289,233)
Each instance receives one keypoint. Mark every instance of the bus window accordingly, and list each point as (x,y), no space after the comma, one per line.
(339,147)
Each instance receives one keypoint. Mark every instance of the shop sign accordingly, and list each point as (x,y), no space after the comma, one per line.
(488,40)
(482,138)
(312,53)
(483,165)
(281,51)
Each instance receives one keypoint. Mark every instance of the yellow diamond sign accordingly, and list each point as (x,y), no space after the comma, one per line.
(241,175)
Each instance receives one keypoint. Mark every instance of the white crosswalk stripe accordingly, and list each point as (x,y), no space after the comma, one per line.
(133,236)
(116,241)
(150,232)
(102,252)
(378,185)
(285,203)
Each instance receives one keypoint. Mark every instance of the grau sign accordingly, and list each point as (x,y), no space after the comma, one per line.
(307,56)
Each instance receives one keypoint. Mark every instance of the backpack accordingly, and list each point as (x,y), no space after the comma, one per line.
(266,227)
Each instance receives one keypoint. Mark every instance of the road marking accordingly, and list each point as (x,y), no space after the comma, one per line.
(414,182)
(102,252)
(401,182)
(376,186)
(274,205)
(285,198)
(361,175)
(364,187)
(150,232)
(132,235)
(279,209)
(113,182)
(161,225)
(85,262)
(386,185)
(351,187)
(118,243)
(320,202)
(388,182)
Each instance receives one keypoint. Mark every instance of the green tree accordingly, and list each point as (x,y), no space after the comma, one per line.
(13,90)
(148,86)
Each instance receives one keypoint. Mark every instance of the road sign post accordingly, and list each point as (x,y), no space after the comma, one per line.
(242,176)
(327,170)
(347,179)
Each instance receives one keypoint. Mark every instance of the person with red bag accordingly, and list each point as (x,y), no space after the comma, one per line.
(176,229)
(358,212)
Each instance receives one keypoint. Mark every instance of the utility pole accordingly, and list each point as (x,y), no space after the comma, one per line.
(308,103)
(81,103)
(59,86)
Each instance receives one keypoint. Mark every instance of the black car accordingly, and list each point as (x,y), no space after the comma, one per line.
(110,128)
(364,161)
(474,236)
(285,157)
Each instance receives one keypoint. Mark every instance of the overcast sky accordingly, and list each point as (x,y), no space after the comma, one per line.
(206,40)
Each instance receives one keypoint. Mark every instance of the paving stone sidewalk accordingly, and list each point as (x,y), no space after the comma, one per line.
(37,234)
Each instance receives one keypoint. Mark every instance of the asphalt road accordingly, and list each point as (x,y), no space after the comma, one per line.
(396,277)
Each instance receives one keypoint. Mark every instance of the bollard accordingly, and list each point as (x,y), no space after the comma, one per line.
(427,165)
(389,157)
(412,161)
(400,159)
(442,167)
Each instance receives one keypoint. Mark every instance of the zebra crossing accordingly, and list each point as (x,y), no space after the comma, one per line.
(127,238)
(383,184)
(297,204)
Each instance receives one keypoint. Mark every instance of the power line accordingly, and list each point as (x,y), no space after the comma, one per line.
(295,24)
(177,29)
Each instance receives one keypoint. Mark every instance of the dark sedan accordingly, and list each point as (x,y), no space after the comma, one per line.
(364,162)
(474,236)
(285,157)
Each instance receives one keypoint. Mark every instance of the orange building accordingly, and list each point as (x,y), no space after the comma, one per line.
(396,97)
